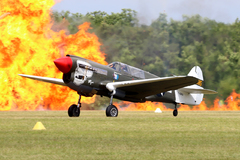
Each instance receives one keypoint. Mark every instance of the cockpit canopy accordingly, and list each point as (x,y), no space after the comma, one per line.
(124,68)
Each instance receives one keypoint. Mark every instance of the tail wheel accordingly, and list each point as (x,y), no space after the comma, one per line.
(111,111)
(73,111)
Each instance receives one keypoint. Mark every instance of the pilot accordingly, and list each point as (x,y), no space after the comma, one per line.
(124,68)
(114,66)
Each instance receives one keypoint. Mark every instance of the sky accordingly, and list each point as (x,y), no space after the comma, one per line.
(226,11)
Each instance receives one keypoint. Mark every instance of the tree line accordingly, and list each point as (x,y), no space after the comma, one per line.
(168,47)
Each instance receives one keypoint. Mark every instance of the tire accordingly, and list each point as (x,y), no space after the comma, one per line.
(175,112)
(111,111)
(73,111)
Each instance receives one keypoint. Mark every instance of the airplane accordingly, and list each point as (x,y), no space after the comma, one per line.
(125,82)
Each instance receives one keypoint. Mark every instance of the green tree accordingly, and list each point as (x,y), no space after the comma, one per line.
(168,47)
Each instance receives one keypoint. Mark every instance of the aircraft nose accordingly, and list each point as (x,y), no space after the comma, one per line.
(64,64)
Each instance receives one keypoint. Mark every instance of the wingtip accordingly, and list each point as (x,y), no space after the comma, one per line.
(22,75)
(213,92)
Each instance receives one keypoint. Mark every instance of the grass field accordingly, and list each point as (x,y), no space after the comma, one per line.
(132,135)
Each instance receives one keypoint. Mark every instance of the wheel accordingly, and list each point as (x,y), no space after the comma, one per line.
(175,112)
(73,111)
(111,111)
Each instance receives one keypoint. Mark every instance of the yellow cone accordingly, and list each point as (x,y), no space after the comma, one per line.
(39,126)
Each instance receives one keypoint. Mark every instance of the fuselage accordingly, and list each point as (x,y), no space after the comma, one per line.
(89,78)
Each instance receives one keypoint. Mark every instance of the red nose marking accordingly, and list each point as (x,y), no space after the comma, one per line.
(64,64)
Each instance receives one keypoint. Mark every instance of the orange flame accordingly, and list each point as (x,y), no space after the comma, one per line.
(29,46)
(232,103)
(147,106)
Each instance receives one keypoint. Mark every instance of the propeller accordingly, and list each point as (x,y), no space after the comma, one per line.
(64,64)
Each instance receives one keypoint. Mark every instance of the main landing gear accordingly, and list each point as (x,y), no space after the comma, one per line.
(111,110)
(175,111)
(74,110)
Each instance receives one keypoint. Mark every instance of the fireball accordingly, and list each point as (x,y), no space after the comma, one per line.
(29,46)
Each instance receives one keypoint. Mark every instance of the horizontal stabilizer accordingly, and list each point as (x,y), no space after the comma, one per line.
(45,79)
(197,91)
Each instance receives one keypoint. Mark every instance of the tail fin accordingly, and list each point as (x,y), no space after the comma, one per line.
(196,72)
(193,95)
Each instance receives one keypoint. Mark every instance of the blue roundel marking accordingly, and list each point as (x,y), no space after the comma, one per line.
(160,94)
(115,76)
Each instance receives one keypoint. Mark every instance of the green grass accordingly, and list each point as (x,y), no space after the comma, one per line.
(132,135)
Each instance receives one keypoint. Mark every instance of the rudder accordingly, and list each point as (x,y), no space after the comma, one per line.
(185,96)
(196,72)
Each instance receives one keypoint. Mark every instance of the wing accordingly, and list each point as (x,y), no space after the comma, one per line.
(45,79)
(147,87)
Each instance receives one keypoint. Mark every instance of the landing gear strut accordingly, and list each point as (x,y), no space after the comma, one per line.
(111,110)
(74,110)
(175,111)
